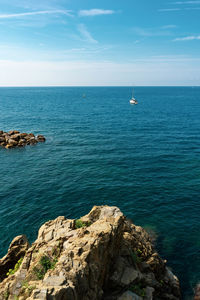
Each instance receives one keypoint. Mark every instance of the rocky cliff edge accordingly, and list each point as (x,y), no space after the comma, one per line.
(100,256)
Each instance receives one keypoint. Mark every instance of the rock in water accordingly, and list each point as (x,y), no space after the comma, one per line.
(100,256)
(14,138)
(41,138)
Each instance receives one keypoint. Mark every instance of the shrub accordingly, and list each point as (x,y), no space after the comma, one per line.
(45,264)
(139,252)
(28,287)
(162,282)
(16,267)
(39,273)
(80,224)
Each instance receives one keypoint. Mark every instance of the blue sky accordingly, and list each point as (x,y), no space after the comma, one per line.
(89,42)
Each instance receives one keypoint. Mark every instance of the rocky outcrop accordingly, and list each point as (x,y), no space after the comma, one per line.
(17,249)
(14,139)
(197,292)
(100,256)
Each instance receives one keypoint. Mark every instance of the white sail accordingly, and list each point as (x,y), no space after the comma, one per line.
(133,100)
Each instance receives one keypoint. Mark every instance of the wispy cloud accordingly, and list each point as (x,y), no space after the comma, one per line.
(86,35)
(35,5)
(42,12)
(192,8)
(150,32)
(168,58)
(188,6)
(188,38)
(187,2)
(95,12)
(169,26)
(169,9)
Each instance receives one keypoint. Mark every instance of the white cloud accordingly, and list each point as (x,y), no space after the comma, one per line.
(86,35)
(42,12)
(95,12)
(169,9)
(188,38)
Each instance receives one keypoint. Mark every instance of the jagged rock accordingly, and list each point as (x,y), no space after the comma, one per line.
(149,293)
(12,142)
(32,141)
(197,292)
(129,275)
(8,146)
(41,138)
(102,256)
(16,250)
(11,132)
(23,134)
(129,296)
(14,139)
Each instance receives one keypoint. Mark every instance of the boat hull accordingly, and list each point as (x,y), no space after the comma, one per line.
(133,101)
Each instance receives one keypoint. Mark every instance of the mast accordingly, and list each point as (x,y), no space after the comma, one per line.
(132,94)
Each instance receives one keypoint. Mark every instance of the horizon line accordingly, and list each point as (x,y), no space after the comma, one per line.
(66,86)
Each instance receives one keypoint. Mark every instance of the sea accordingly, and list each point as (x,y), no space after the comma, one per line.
(100,150)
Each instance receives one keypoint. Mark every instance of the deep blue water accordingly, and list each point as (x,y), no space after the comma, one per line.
(101,150)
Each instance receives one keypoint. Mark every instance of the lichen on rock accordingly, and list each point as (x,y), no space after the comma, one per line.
(107,258)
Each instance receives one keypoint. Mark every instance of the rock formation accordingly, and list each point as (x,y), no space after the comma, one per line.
(197,292)
(14,139)
(16,250)
(100,256)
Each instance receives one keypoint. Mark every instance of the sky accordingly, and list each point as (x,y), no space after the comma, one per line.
(99,43)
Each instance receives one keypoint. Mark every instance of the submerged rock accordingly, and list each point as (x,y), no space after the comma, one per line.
(100,256)
(14,138)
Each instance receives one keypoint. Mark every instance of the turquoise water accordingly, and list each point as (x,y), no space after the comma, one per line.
(101,150)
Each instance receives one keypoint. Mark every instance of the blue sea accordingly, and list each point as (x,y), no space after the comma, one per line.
(143,158)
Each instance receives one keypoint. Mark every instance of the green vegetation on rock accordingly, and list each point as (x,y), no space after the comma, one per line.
(29,288)
(137,289)
(79,224)
(6,295)
(135,257)
(45,264)
(16,267)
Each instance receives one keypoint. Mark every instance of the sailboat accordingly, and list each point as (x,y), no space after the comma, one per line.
(133,100)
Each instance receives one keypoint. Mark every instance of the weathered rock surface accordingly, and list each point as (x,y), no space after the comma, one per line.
(14,138)
(100,256)
(197,292)
(17,249)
